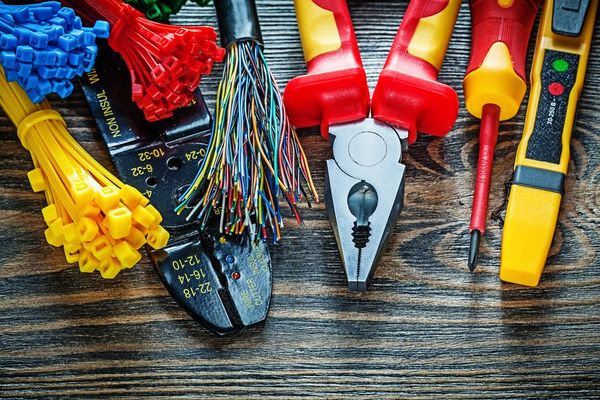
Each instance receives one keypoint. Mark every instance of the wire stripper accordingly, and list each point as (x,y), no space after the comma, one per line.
(365,180)
(557,77)
(222,281)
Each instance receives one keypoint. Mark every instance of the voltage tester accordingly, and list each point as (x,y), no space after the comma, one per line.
(557,76)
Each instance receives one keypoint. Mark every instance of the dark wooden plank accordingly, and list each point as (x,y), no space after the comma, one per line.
(427,329)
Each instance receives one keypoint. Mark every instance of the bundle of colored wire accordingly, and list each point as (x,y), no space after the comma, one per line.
(161,10)
(254,155)
(165,62)
(100,222)
(43,46)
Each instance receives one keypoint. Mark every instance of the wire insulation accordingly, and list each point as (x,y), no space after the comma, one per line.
(254,156)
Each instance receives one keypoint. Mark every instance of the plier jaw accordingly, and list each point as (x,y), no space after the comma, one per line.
(366,180)
(364,193)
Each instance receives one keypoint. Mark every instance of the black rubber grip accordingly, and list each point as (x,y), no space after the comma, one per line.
(238,20)
(569,16)
(538,178)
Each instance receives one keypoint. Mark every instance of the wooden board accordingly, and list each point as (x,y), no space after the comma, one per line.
(427,328)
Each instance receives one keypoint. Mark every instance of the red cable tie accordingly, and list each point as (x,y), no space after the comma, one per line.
(165,62)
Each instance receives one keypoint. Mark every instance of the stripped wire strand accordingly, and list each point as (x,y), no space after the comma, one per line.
(254,157)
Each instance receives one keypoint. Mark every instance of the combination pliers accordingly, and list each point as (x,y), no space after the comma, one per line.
(365,180)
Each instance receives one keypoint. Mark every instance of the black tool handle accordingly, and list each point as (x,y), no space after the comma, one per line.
(238,20)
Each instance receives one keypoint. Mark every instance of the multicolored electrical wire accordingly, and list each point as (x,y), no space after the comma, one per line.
(254,156)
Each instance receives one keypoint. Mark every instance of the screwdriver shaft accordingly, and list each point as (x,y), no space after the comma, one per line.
(488,136)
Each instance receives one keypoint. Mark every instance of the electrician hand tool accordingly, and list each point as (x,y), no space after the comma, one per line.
(494,87)
(223,282)
(165,62)
(161,10)
(365,180)
(100,222)
(254,155)
(43,46)
(557,77)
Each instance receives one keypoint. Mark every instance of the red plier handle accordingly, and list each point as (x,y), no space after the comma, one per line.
(407,95)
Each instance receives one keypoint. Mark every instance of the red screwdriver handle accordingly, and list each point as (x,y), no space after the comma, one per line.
(335,89)
(510,24)
(496,72)
(408,94)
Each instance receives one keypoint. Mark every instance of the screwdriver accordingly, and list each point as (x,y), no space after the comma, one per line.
(494,87)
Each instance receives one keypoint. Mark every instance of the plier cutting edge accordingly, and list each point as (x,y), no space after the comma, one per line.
(365,180)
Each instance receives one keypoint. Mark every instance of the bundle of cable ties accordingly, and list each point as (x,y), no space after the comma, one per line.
(100,222)
(161,10)
(165,62)
(43,46)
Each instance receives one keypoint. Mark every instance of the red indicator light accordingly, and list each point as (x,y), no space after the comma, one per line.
(235,276)
(556,89)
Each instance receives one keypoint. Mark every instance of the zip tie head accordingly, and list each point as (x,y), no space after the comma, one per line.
(35,38)
(36,180)
(119,222)
(165,62)
(90,212)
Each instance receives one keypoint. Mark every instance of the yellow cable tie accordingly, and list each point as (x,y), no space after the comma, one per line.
(100,222)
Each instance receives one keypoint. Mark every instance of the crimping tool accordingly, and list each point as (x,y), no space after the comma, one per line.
(365,180)
(222,281)
(557,77)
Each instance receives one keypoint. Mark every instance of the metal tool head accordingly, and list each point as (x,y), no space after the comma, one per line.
(223,282)
(364,193)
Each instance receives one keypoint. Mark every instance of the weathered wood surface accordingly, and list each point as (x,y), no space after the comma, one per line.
(427,328)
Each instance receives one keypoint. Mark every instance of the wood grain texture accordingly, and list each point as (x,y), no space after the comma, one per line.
(427,328)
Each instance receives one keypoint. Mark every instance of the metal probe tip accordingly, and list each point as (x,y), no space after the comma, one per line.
(474,249)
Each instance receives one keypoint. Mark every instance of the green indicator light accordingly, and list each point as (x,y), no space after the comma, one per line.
(560,65)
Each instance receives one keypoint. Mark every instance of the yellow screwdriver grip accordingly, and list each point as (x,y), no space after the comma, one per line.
(496,72)
(557,76)
(495,82)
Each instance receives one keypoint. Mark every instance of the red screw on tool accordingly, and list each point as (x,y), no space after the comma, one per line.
(494,87)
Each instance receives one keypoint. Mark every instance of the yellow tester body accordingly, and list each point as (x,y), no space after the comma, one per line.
(557,77)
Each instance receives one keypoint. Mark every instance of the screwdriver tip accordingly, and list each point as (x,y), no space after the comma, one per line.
(474,249)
